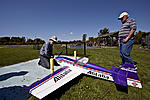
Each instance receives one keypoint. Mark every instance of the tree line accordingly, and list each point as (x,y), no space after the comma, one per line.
(19,41)
(23,41)
(139,36)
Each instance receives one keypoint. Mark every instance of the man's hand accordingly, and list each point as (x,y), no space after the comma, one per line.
(126,39)
(130,34)
(118,41)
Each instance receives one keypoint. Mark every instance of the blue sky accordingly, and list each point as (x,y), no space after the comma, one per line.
(68,19)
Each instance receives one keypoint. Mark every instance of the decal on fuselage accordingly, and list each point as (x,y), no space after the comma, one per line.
(100,75)
(60,76)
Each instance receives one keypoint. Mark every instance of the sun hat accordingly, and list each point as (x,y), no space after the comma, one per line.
(123,14)
(54,38)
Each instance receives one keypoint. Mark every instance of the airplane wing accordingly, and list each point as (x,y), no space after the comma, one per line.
(53,81)
(119,76)
(82,61)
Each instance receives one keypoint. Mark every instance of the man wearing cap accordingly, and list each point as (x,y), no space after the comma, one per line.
(46,52)
(126,37)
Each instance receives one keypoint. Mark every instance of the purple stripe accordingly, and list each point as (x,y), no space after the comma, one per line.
(119,76)
(89,65)
(79,58)
(132,75)
(96,67)
(65,58)
(42,80)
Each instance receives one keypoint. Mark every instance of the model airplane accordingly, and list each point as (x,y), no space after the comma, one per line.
(73,68)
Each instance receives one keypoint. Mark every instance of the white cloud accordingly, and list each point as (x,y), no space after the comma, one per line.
(64,34)
(71,33)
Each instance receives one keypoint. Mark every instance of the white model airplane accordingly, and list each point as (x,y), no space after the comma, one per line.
(73,68)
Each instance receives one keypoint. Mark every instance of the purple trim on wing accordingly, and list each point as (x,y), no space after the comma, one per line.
(119,76)
(47,77)
(96,67)
(80,58)
(88,65)
(65,58)
(132,75)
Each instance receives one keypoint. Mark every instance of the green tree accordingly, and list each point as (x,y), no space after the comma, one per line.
(91,39)
(29,42)
(4,40)
(84,37)
(103,31)
(17,40)
(38,41)
(138,37)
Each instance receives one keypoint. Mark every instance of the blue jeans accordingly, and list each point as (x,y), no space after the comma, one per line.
(125,50)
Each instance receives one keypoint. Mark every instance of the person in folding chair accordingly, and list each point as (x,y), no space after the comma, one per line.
(46,52)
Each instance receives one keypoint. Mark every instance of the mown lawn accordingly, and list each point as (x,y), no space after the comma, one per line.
(89,88)
(15,55)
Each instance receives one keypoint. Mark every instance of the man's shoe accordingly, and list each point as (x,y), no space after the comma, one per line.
(135,67)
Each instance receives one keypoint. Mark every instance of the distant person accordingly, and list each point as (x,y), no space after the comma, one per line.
(46,52)
(126,37)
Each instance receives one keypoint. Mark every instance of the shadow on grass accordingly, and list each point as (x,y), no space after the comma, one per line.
(121,88)
(9,75)
(61,91)
(135,62)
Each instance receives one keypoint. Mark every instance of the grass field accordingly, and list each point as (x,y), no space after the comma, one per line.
(15,55)
(89,88)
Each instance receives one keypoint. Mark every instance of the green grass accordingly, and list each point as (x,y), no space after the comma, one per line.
(15,55)
(89,88)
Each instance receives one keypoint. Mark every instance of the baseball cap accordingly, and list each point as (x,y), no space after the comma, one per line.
(123,14)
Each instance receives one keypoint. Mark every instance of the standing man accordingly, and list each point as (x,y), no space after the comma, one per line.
(126,37)
(46,52)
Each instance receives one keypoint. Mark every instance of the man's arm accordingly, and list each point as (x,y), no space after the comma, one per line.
(49,50)
(129,36)
(133,29)
(118,41)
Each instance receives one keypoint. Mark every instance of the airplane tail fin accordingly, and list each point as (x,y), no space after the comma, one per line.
(125,77)
(119,76)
